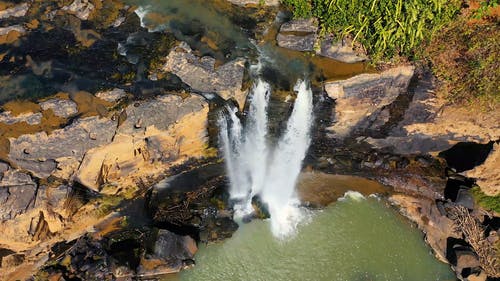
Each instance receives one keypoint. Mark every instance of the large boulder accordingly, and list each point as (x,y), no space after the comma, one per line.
(430,124)
(360,99)
(202,75)
(171,253)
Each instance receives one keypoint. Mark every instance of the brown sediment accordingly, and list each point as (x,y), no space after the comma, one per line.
(5,5)
(48,123)
(88,105)
(321,189)
(18,107)
(10,37)
(33,24)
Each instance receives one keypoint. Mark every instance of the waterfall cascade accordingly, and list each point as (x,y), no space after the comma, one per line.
(256,168)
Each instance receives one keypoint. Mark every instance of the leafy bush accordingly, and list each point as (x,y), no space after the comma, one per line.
(385,27)
(491,203)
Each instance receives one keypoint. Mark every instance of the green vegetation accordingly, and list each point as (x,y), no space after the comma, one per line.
(464,56)
(491,203)
(460,43)
(386,28)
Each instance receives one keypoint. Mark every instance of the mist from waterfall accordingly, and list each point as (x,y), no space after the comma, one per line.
(256,168)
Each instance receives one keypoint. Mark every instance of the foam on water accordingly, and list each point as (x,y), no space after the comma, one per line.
(255,168)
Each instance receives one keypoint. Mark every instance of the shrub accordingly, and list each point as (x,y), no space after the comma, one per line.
(491,203)
(464,57)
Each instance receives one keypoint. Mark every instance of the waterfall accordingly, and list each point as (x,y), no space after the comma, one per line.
(255,168)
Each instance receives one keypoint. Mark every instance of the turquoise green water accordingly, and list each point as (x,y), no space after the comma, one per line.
(353,240)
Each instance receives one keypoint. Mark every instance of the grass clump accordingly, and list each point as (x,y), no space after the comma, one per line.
(387,28)
(491,203)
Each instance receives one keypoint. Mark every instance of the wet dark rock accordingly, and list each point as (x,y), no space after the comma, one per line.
(217,229)
(43,66)
(464,198)
(129,253)
(170,253)
(261,208)
(466,155)
(193,203)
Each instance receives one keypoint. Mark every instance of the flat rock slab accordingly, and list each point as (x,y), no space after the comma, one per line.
(301,35)
(361,96)
(161,113)
(37,151)
(298,35)
(30,118)
(16,11)
(17,193)
(255,2)
(201,73)
(302,25)
(60,107)
(341,50)
(81,8)
(154,135)
(13,28)
(113,95)
(296,42)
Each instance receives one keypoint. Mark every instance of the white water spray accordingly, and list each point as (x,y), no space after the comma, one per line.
(254,168)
